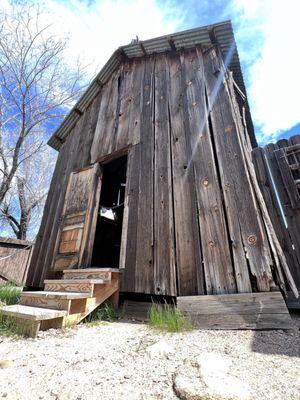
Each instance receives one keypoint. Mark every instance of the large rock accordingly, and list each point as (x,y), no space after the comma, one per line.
(209,378)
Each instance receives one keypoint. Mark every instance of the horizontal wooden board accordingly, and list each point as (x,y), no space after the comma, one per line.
(32,313)
(237,311)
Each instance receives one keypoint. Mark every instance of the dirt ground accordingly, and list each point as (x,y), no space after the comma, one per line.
(112,361)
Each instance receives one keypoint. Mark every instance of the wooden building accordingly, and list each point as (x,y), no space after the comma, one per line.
(15,257)
(154,175)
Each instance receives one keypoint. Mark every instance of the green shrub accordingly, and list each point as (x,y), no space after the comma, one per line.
(10,293)
(8,326)
(105,312)
(167,317)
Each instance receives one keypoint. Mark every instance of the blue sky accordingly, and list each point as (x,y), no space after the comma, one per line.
(267,34)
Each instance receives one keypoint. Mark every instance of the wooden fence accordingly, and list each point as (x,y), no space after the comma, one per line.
(14,260)
(277,167)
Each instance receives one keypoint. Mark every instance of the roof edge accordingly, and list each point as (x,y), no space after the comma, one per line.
(190,38)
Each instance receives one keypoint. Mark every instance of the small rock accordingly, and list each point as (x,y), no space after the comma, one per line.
(160,348)
(5,364)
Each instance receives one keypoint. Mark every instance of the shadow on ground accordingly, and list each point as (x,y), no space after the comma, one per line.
(281,342)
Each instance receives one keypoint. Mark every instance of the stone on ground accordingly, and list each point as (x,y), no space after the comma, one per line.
(209,378)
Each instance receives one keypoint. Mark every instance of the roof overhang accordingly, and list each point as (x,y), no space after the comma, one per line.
(221,33)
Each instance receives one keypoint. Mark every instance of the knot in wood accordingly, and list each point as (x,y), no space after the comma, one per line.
(228,129)
(252,239)
(215,207)
(200,135)
(205,182)
(161,97)
(189,83)
(211,243)
(194,103)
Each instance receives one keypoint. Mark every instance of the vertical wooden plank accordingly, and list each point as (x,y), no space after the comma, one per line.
(164,260)
(269,194)
(136,101)
(144,255)
(106,120)
(218,265)
(89,131)
(245,226)
(188,250)
(133,176)
(122,134)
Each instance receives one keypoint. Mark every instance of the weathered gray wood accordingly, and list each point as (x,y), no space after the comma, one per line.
(237,311)
(144,274)
(105,120)
(188,250)
(218,265)
(132,181)
(270,197)
(287,177)
(164,259)
(245,226)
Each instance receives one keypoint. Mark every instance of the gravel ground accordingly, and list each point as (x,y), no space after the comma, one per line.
(111,361)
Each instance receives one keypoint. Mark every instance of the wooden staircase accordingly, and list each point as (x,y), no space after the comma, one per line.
(66,301)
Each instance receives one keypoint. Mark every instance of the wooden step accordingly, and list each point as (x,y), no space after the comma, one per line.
(91,273)
(31,319)
(55,300)
(73,285)
(32,313)
(55,295)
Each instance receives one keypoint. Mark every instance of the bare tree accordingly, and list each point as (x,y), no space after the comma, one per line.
(36,90)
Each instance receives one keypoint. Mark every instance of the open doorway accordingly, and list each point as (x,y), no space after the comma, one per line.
(107,243)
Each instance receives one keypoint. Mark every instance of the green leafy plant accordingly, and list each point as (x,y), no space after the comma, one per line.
(10,293)
(9,327)
(105,312)
(167,317)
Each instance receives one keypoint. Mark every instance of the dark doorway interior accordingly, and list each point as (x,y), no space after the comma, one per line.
(107,244)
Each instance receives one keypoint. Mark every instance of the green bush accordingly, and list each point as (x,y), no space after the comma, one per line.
(105,312)
(10,293)
(167,317)
(8,326)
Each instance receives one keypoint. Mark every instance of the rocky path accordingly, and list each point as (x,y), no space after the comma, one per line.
(130,361)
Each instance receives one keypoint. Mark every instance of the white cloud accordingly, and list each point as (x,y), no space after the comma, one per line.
(97,28)
(269,35)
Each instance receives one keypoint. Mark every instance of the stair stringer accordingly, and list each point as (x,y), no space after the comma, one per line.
(100,294)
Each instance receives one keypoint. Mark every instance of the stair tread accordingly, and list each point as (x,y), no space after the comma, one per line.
(70,280)
(32,313)
(60,295)
(83,270)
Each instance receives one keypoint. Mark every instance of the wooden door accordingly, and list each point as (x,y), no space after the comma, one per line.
(74,244)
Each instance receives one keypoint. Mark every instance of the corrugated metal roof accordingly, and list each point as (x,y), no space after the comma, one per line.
(222,32)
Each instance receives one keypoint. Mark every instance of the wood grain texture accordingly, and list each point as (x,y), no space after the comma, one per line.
(192,221)
(237,311)
(164,257)
(249,242)
(218,266)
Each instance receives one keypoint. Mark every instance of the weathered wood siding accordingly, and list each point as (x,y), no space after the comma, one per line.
(193,222)
(282,159)
(14,260)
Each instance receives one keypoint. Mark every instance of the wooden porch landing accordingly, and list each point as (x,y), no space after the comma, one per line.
(265,310)
(66,301)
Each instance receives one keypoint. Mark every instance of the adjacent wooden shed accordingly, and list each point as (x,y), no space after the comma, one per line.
(15,257)
(154,175)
